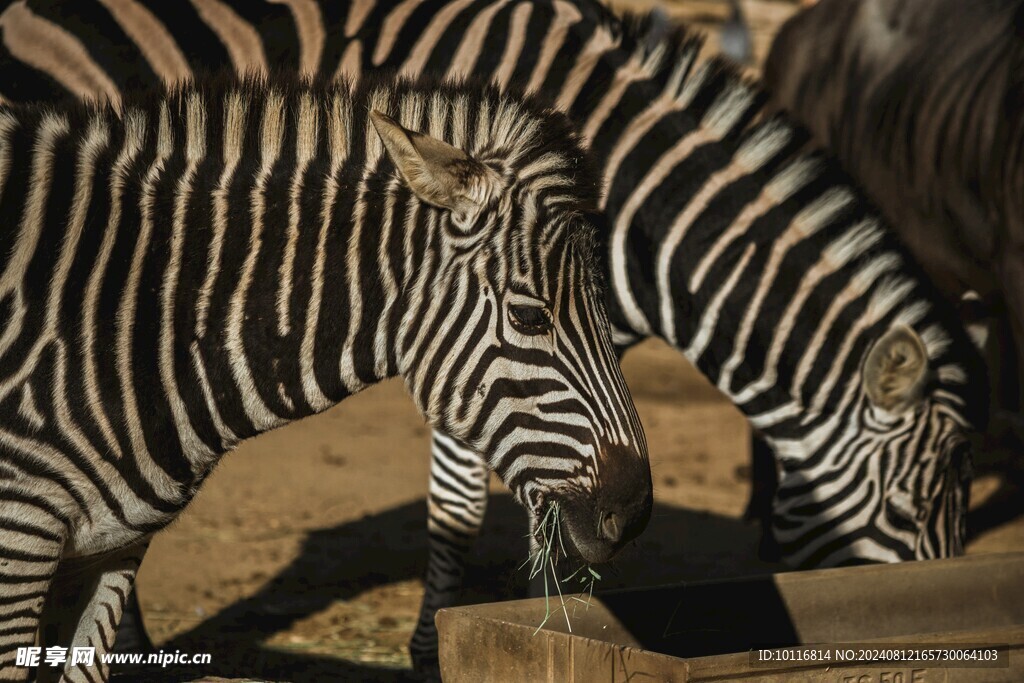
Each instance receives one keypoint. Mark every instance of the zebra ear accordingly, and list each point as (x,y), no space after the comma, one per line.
(896,370)
(438,173)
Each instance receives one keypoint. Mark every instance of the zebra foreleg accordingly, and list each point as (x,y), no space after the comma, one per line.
(455,506)
(31,541)
(85,606)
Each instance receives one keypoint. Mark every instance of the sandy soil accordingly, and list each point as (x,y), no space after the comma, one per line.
(301,557)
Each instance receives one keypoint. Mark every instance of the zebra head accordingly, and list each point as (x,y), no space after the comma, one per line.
(506,345)
(889,480)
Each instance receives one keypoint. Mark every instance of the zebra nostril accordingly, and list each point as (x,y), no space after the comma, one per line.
(610,528)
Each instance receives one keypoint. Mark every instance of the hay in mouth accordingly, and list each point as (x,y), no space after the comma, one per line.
(549,546)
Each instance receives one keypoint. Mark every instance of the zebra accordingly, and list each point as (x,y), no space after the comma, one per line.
(202,265)
(723,235)
(920,101)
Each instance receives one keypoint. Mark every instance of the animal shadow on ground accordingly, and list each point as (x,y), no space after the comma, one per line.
(340,562)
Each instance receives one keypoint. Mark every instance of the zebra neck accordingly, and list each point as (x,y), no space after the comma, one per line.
(299,302)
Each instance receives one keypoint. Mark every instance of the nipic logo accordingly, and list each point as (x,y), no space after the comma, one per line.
(55,656)
(86,656)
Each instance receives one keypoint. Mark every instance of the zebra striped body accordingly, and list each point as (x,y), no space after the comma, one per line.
(209,264)
(723,237)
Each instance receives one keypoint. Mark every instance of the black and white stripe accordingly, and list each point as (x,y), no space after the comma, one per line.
(201,266)
(723,236)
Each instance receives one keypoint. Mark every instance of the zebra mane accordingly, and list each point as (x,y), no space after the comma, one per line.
(520,136)
(509,129)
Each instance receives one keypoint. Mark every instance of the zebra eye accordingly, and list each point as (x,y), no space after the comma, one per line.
(531,320)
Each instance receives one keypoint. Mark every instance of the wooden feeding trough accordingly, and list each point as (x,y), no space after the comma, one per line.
(716,630)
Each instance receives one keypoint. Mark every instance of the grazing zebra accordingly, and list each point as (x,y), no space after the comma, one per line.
(753,258)
(201,266)
(921,101)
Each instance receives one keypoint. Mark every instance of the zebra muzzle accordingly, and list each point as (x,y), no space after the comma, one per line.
(600,523)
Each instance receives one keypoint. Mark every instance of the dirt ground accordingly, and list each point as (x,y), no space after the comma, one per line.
(301,557)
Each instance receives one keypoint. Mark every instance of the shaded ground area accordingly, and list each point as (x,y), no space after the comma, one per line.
(301,557)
